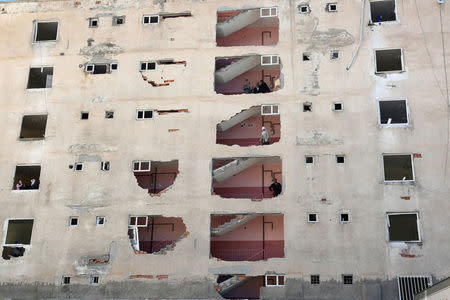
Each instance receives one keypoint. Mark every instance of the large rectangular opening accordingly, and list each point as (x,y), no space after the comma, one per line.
(40,78)
(239,286)
(155,234)
(382,11)
(258,125)
(33,127)
(18,234)
(247,177)
(155,176)
(393,112)
(398,167)
(247,237)
(27,177)
(389,60)
(247,27)
(403,227)
(251,74)
(45,31)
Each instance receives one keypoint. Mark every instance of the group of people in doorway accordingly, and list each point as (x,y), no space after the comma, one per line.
(33,185)
(261,87)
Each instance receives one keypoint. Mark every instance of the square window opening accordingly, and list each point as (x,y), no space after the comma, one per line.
(334,54)
(93,22)
(390,60)
(119,20)
(73,221)
(109,114)
(78,167)
(313,218)
(141,166)
(332,7)
(27,177)
(19,232)
(84,115)
(113,66)
(104,166)
(94,279)
(340,159)
(403,227)
(309,159)
(100,221)
(382,11)
(338,106)
(347,279)
(344,217)
(398,167)
(315,279)
(307,107)
(45,31)
(304,9)
(65,280)
(40,78)
(33,127)
(306,56)
(393,112)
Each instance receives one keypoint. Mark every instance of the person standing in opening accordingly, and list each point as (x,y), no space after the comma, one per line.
(246,87)
(275,187)
(263,87)
(34,184)
(265,137)
(19,185)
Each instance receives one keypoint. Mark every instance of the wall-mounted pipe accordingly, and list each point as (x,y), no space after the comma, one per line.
(360,35)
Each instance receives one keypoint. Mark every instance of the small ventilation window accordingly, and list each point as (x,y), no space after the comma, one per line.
(93,22)
(344,217)
(331,7)
(84,115)
(109,114)
(104,166)
(150,19)
(315,279)
(334,54)
(45,31)
(147,65)
(307,107)
(309,159)
(73,221)
(93,279)
(338,106)
(100,221)
(119,20)
(347,279)
(340,159)
(313,218)
(65,280)
(78,167)
(304,9)
(306,56)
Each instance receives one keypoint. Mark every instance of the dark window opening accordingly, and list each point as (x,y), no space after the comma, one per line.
(118,20)
(104,166)
(33,127)
(144,114)
(393,112)
(344,217)
(46,31)
(307,107)
(258,125)
(73,221)
(398,167)
(247,28)
(156,176)
(382,11)
(403,227)
(27,178)
(155,234)
(247,237)
(315,279)
(304,9)
(93,22)
(337,106)
(252,74)
(40,78)
(84,115)
(148,66)
(309,159)
(389,60)
(334,54)
(340,159)
(100,69)
(253,178)
(94,279)
(306,56)
(150,19)
(347,279)
(65,280)
(109,114)
(100,220)
(331,7)
(78,166)
(19,232)
(312,217)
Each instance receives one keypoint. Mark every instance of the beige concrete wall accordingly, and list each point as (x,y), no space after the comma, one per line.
(327,248)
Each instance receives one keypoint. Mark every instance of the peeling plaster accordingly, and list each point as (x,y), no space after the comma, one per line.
(100,51)
(318,139)
(90,148)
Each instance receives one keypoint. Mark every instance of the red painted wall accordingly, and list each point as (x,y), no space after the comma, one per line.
(250,36)
(247,184)
(162,234)
(235,86)
(146,179)
(250,289)
(246,242)
(248,132)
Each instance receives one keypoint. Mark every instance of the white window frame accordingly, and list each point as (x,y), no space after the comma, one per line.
(398,181)
(270,9)
(344,212)
(277,283)
(329,7)
(312,213)
(111,68)
(143,114)
(272,106)
(115,18)
(75,166)
(402,56)
(308,10)
(35,31)
(89,65)
(103,165)
(146,65)
(408,123)
(91,279)
(70,221)
(338,110)
(62,280)
(136,217)
(90,22)
(97,220)
(149,18)
(274,60)
(140,163)
(404,213)
(379,23)
(5,230)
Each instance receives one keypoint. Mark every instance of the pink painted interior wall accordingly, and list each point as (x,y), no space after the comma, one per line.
(247,184)
(163,235)
(249,289)
(146,180)
(235,86)
(250,36)
(248,132)
(248,242)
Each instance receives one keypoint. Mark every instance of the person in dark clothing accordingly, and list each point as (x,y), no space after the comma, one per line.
(275,187)
(34,185)
(263,87)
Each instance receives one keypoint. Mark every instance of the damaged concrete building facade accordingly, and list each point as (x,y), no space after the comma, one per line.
(273,149)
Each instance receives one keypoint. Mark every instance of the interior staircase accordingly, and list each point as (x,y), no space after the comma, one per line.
(234,167)
(236,68)
(239,21)
(230,283)
(233,224)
